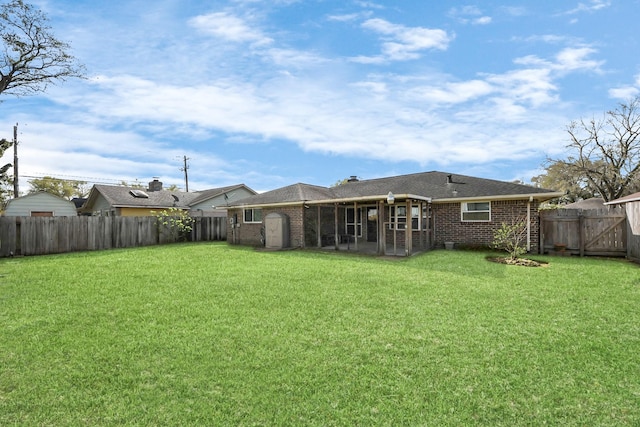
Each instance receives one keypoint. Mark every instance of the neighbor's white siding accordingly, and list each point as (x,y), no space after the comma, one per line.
(40,202)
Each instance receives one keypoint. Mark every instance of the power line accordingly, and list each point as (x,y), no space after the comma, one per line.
(75,178)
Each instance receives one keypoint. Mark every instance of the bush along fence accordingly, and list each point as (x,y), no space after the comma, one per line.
(50,235)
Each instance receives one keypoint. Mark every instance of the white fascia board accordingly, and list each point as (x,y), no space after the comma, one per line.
(537,196)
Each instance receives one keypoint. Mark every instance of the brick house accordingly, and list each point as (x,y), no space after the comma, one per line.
(397,215)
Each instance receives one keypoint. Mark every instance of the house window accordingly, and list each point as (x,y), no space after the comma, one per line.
(419,222)
(353,224)
(253,215)
(476,211)
(398,217)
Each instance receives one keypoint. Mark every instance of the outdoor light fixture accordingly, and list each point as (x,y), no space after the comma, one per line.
(391,198)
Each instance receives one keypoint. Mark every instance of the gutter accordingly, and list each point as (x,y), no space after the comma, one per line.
(536,196)
(332,201)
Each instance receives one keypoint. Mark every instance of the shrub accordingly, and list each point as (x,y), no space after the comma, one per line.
(512,238)
(176,221)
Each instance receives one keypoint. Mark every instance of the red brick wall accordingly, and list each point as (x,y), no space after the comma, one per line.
(249,233)
(448,226)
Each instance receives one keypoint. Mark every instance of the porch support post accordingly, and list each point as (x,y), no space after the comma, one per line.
(394,220)
(382,237)
(408,230)
(355,227)
(529,225)
(336,236)
(319,226)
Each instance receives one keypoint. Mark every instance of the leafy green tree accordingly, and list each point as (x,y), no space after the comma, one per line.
(31,57)
(67,189)
(136,184)
(560,177)
(603,156)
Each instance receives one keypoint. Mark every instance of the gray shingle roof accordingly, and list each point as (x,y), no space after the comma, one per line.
(119,196)
(435,185)
(215,192)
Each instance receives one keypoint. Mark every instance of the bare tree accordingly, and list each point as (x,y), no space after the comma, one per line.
(605,153)
(31,57)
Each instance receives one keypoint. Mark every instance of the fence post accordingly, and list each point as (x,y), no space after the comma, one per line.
(581,239)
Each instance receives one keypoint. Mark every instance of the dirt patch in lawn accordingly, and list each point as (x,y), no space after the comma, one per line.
(518,261)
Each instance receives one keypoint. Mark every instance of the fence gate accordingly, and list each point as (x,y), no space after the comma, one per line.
(601,232)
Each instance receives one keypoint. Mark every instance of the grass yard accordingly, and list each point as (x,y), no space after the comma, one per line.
(207,334)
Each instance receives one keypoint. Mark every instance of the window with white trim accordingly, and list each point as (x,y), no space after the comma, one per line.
(253,215)
(476,211)
(397,217)
(419,222)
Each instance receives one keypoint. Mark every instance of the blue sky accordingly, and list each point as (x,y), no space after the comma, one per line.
(274,92)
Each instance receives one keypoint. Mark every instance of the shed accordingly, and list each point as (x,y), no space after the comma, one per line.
(40,204)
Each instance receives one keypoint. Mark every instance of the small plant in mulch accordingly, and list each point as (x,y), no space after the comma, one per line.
(512,238)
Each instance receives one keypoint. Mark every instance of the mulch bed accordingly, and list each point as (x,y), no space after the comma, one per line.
(518,261)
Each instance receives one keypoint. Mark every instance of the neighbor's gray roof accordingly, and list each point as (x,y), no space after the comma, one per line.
(434,185)
(587,204)
(215,192)
(119,196)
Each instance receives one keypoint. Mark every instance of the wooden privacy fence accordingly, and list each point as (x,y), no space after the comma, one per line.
(49,235)
(601,232)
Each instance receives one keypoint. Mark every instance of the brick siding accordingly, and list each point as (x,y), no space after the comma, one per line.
(249,233)
(448,226)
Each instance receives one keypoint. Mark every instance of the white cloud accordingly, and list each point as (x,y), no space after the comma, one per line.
(567,60)
(572,59)
(626,92)
(469,15)
(458,92)
(483,20)
(404,43)
(229,27)
(592,6)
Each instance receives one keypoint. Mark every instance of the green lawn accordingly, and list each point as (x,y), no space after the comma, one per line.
(207,334)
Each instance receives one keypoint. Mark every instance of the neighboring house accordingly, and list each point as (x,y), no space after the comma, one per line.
(40,204)
(112,200)
(586,204)
(437,207)
(214,202)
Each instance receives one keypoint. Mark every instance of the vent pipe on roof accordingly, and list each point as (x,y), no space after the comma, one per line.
(449,179)
(353,178)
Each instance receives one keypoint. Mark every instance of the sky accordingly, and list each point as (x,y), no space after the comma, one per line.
(270,93)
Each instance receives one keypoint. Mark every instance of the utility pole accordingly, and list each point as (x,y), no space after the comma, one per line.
(16,192)
(186,176)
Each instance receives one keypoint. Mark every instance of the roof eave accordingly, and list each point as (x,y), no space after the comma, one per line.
(333,201)
(537,196)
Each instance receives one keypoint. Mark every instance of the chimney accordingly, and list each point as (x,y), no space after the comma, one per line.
(155,185)
(449,179)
